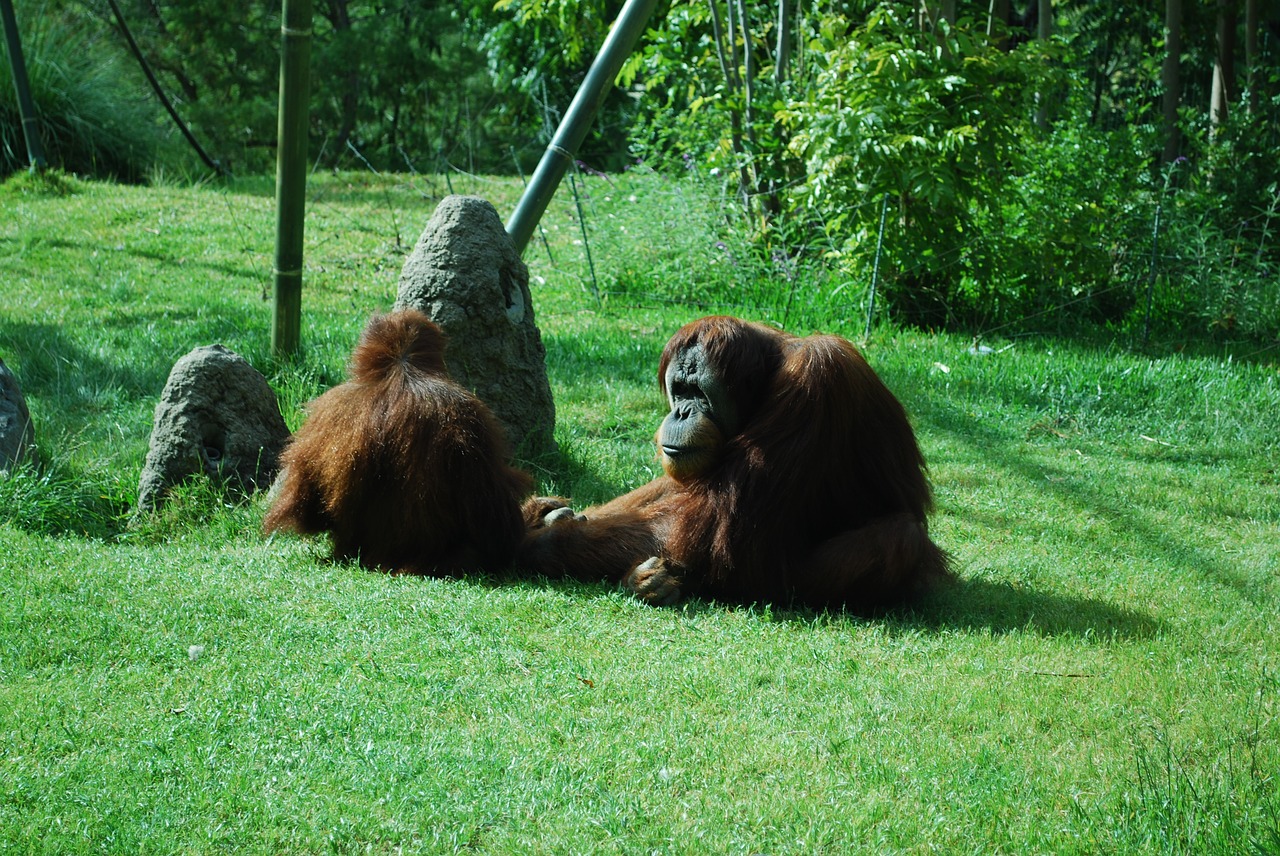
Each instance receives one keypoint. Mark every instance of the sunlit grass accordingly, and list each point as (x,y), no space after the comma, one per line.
(1103,678)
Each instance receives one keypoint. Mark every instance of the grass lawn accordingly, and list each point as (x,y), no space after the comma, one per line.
(1105,676)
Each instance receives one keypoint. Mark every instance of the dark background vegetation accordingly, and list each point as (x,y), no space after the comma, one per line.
(1093,174)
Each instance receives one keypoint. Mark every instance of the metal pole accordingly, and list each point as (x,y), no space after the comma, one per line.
(577,119)
(26,106)
(291,174)
(875,268)
(1151,275)
(542,233)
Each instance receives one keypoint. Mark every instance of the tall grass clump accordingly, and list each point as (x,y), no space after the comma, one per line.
(55,499)
(1179,802)
(94,117)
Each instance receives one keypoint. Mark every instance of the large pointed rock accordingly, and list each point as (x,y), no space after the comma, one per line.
(218,417)
(466,276)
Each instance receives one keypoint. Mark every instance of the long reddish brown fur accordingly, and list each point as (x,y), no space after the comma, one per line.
(407,470)
(822,495)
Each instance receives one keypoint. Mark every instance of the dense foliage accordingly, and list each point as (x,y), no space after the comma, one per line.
(1023,177)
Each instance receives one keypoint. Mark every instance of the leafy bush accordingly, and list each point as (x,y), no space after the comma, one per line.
(94,117)
(1070,237)
(1218,258)
(931,120)
(1213,277)
(1021,175)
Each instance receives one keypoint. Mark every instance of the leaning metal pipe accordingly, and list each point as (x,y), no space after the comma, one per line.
(564,145)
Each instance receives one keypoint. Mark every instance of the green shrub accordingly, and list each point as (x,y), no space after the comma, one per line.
(1218,263)
(1071,237)
(933,122)
(54,498)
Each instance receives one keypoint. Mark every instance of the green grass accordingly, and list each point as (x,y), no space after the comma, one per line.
(1103,678)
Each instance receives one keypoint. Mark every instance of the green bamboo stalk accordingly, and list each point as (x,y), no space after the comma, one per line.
(26,106)
(291,174)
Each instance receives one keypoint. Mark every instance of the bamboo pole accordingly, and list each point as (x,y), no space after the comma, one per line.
(291,174)
(26,106)
(577,119)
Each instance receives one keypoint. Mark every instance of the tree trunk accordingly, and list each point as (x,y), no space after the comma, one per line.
(339,16)
(1251,24)
(748,71)
(1044,29)
(1100,77)
(930,13)
(782,57)
(1224,65)
(291,175)
(1170,78)
(728,58)
(998,11)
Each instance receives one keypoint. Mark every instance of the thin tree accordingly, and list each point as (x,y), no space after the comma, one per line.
(727,55)
(1224,65)
(1044,29)
(26,106)
(1170,78)
(998,10)
(1251,23)
(929,13)
(338,14)
(782,51)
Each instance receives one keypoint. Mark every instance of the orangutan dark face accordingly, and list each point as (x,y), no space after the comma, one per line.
(702,415)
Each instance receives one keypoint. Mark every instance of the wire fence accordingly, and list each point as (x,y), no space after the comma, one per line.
(638,238)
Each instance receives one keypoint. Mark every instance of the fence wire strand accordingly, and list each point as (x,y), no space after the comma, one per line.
(699,243)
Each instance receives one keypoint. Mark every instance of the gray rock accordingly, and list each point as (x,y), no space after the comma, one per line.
(466,276)
(216,416)
(17,433)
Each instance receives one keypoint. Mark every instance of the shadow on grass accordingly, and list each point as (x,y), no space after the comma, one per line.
(246,272)
(66,362)
(599,360)
(998,607)
(48,354)
(969,606)
(1142,534)
(981,606)
(568,476)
